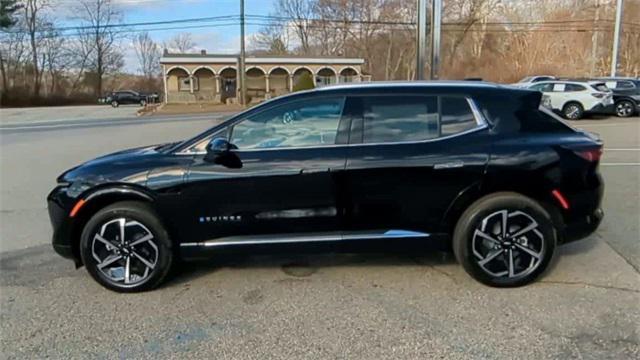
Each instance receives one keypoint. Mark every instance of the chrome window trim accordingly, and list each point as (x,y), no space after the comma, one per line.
(481,122)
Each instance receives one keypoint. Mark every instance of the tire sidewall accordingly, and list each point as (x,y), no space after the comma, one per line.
(469,221)
(115,104)
(132,211)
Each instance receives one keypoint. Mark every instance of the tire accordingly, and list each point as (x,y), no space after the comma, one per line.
(480,247)
(625,108)
(573,111)
(149,253)
(143,103)
(115,104)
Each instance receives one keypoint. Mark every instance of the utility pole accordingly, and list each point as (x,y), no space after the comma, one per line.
(436,22)
(594,40)
(616,38)
(241,67)
(421,50)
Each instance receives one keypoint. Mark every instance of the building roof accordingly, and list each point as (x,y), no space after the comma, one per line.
(204,58)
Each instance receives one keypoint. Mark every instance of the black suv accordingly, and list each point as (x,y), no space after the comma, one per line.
(118,98)
(479,165)
(626,95)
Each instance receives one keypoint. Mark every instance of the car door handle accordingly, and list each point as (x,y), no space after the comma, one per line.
(449,165)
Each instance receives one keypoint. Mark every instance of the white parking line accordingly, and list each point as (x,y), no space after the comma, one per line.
(620,164)
(603,125)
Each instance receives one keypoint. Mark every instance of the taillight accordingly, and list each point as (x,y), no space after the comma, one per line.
(591,155)
(598,95)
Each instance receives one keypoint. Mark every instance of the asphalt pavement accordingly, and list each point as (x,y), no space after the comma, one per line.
(382,306)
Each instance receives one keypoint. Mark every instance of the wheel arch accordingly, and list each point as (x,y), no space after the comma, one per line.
(98,199)
(478,190)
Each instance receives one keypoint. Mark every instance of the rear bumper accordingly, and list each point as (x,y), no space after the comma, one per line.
(582,227)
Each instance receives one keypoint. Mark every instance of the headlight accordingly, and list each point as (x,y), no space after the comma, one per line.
(77,188)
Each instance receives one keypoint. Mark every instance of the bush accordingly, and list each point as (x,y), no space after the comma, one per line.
(305,82)
(23,98)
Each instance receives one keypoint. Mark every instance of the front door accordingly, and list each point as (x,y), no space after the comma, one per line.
(283,178)
(416,154)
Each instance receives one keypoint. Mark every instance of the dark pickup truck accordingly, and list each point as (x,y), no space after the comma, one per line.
(117,98)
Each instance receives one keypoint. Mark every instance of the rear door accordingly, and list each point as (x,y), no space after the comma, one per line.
(409,158)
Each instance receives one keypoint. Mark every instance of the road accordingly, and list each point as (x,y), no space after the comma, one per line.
(309,306)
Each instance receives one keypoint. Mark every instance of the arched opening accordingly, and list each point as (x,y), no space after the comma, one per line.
(256,85)
(278,81)
(178,85)
(298,73)
(348,75)
(228,80)
(325,76)
(204,84)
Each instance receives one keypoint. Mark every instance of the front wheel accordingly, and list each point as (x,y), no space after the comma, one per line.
(143,103)
(505,240)
(115,104)
(125,248)
(624,108)
(573,111)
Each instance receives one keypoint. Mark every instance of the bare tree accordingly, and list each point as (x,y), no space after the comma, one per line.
(300,14)
(100,38)
(148,54)
(272,39)
(33,22)
(181,42)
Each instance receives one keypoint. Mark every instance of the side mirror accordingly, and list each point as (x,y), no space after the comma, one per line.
(218,148)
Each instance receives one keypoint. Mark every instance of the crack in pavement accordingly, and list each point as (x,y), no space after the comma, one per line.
(606,287)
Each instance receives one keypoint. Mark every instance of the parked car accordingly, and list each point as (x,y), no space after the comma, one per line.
(530,80)
(117,98)
(626,95)
(574,99)
(481,166)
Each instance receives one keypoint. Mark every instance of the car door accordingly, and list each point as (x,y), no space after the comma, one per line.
(410,157)
(281,179)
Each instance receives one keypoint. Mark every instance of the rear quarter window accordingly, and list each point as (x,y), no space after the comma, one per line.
(456,115)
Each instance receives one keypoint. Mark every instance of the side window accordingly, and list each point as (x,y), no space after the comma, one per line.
(625,85)
(399,118)
(542,87)
(311,122)
(455,115)
(559,87)
(574,87)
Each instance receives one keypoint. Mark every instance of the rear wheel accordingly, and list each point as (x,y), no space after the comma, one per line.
(125,247)
(115,104)
(624,108)
(505,240)
(143,103)
(573,111)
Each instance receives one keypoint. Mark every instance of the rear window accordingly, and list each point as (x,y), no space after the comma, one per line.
(600,87)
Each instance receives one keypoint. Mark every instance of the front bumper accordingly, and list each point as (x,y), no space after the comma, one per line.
(609,109)
(61,223)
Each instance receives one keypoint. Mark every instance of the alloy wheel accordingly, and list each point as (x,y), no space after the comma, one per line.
(125,252)
(508,244)
(572,112)
(624,109)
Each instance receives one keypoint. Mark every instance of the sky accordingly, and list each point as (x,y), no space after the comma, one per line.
(223,38)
